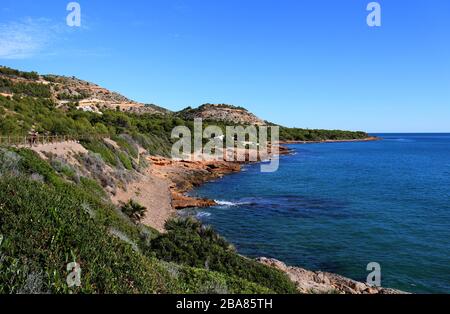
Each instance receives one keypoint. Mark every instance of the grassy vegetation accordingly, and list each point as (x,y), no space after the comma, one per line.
(52,214)
(47,223)
(127,144)
(46,228)
(99,147)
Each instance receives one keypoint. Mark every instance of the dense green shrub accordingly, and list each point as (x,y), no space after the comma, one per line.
(111,155)
(27,89)
(63,168)
(197,280)
(50,223)
(91,186)
(127,144)
(30,164)
(13,72)
(190,243)
(125,160)
(97,146)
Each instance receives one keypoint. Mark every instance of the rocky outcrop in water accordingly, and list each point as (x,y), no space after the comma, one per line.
(185,175)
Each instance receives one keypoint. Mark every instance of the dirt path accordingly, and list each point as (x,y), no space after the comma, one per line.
(152,192)
(60,149)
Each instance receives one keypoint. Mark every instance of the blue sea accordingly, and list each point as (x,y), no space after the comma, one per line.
(338,206)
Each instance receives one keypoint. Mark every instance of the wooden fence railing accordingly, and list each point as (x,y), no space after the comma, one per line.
(29,140)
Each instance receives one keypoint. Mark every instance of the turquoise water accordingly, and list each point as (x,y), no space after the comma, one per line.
(337,207)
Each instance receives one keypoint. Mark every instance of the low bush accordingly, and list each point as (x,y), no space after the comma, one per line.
(190,243)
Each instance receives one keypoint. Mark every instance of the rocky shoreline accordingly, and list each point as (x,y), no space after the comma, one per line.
(186,175)
(161,189)
(319,282)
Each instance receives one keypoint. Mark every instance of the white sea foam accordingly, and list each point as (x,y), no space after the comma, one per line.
(203,214)
(400,140)
(229,204)
(225,203)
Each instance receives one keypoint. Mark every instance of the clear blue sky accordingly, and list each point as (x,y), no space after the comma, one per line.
(306,63)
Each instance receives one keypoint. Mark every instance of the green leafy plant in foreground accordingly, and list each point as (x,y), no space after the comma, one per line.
(133,210)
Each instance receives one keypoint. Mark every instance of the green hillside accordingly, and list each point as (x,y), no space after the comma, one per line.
(52,214)
(47,222)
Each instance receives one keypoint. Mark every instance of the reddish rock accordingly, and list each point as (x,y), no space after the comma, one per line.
(185,175)
(180,201)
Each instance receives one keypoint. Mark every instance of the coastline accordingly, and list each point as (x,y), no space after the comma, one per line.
(367,139)
(319,282)
(184,176)
(162,187)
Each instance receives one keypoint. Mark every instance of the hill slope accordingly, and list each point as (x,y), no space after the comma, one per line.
(57,209)
(69,90)
(51,217)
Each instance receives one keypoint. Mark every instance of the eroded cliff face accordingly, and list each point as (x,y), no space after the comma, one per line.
(185,175)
